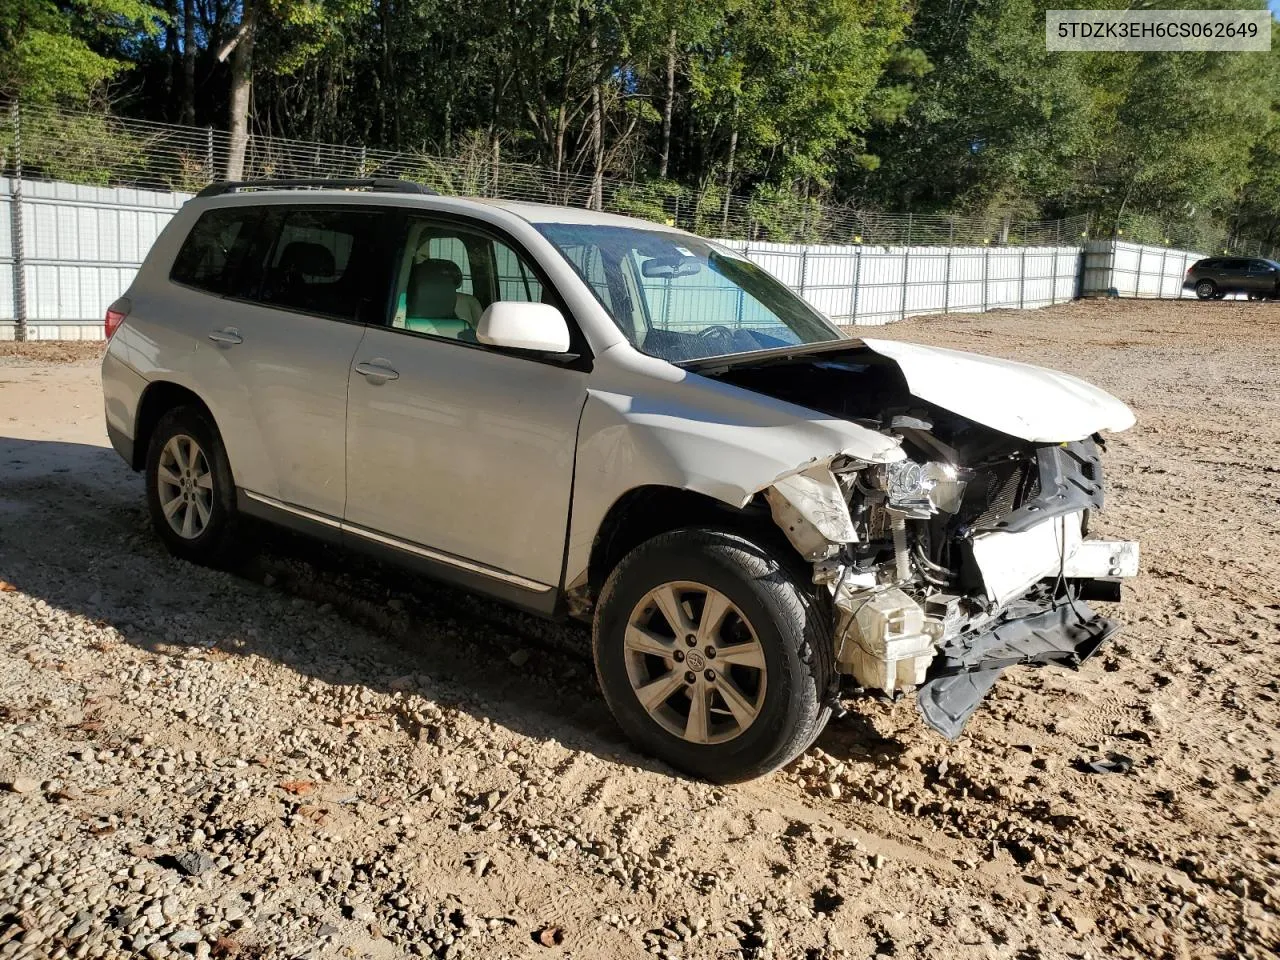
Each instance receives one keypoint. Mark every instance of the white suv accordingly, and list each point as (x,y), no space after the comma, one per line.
(597,417)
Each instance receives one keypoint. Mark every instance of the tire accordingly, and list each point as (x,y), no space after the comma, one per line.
(774,619)
(1206,289)
(211,539)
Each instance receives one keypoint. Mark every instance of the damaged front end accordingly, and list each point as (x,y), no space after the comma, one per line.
(943,575)
(964,559)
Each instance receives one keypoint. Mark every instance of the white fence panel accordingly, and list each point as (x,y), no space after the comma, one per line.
(874,285)
(82,246)
(1120,269)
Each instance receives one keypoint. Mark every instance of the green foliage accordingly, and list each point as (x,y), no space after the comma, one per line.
(780,214)
(54,52)
(792,106)
(795,78)
(76,147)
(656,200)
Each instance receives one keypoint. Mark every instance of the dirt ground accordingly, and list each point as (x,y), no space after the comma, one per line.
(316,757)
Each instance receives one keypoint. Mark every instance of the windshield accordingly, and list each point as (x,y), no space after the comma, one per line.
(679,297)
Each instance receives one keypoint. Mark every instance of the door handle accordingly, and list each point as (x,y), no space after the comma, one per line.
(226,335)
(377,371)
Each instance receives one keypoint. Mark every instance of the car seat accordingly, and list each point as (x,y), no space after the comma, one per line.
(431,299)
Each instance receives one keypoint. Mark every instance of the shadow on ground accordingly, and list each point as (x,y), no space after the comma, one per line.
(75,533)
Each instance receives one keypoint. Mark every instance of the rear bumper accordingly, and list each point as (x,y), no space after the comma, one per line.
(122,389)
(122,444)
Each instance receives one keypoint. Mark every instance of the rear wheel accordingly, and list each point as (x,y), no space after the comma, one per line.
(712,655)
(190,493)
(1206,290)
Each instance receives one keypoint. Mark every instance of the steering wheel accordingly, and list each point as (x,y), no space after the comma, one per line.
(717,331)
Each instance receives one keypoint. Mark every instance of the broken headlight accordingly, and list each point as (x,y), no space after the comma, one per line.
(919,490)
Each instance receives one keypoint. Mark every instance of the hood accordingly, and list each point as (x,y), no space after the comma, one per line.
(1024,401)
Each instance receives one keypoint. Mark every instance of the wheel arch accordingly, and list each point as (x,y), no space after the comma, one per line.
(647,511)
(159,397)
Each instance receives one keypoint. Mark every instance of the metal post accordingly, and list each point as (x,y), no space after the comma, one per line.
(364,161)
(804,269)
(1053,294)
(1137,283)
(18,243)
(986,272)
(946,284)
(857,279)
(1022,277)
(906,269)
(1164,255)
(208,153)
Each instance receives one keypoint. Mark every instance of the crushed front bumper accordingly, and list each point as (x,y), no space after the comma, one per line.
(1034,630)
(965,669)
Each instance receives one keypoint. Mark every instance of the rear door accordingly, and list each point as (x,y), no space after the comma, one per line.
(280,348)
(1233,276)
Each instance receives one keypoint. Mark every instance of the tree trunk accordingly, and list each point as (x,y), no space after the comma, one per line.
(171,54)
(495,162)
(389,88)
(596,200)
(669,105)
(188,61)
(728,178)
(241,91)
(597,148)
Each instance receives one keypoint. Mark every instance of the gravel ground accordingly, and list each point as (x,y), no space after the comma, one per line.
(313,756)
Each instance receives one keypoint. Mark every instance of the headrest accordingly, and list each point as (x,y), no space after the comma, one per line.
(308,259)
(440,266)
(432,291)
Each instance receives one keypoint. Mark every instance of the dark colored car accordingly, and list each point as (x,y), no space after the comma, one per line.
(1214,278)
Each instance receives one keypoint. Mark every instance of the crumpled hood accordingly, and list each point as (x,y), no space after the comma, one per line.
(1024,401)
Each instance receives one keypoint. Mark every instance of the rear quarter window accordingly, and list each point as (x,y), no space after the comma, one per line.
(214,255)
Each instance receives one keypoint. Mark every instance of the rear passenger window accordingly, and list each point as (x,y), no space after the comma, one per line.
(215,255)
(319,262)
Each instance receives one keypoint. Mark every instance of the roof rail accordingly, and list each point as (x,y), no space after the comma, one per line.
(385,184)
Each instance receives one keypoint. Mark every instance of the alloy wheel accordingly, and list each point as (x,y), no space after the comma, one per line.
(184,483)
(695,663)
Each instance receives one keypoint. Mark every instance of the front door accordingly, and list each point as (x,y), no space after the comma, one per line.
(1262,278)
(455,446)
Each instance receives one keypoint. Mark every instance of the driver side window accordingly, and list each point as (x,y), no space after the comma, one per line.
(448,275)
(436,285)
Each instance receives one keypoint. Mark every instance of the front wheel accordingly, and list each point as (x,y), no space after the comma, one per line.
(712,655)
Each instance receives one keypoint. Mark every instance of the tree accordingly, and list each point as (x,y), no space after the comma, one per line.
(52,52)
(786,85)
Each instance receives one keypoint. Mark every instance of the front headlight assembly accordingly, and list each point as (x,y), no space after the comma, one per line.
(919,490)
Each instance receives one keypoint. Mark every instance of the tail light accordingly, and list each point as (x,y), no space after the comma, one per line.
(116,314)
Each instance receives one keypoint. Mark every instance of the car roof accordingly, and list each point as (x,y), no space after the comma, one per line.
(535,213)
(551,213)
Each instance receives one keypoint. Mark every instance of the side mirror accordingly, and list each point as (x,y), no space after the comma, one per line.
(524,326)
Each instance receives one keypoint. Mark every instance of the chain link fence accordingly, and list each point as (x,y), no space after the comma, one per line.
(1207,236)
(101,150)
